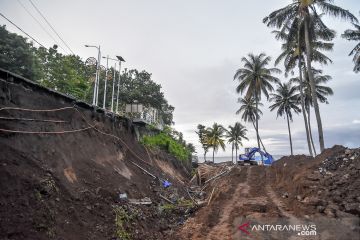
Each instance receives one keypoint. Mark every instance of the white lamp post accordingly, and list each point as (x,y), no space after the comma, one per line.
(96,84)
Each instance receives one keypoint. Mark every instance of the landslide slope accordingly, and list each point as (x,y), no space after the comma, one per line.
(62,172)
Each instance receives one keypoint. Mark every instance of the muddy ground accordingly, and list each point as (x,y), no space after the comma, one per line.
(294,191)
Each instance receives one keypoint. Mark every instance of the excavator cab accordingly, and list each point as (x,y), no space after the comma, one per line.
(255,156)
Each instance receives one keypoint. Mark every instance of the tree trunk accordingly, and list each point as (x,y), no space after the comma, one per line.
(311,137)
(257,122)
(257,127)
(236,155)
(232,153)
(261,142)
(288,123)
(213,155)
(312,85)
(302,98)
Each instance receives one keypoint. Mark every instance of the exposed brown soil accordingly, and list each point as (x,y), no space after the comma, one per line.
(288,193)
(67,186)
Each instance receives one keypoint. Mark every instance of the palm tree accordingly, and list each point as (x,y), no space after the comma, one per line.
(286,100)
(202,133)
(322,92)
(215,138)
(306,12)
(235,134)
(354,35)
(255,79)
(250,113)
(292,53)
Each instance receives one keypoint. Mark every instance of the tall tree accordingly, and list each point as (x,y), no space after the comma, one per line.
(322,92)
(215,138)
(255,79)
(235,135)
(306,11)
(250,113)
(354,35)
(202,134)
(285,100)
(18,55)
(292,55)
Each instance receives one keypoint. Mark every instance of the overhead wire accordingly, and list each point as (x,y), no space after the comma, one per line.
(51,26)
(22,30)
(39,23)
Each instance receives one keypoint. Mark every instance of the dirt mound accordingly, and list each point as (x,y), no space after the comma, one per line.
(328,184)
(295,191)
(62,172)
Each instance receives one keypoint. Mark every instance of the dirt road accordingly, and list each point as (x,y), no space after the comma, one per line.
(243,199)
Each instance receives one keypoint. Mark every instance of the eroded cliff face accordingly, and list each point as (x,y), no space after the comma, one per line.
(63,165)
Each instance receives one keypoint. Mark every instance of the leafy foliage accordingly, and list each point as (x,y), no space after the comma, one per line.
(354,35)
(168,143)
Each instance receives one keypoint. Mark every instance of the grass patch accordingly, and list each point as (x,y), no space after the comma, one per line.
(121,218)
(167,143)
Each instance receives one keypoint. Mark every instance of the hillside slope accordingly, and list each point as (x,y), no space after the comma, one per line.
(62,172)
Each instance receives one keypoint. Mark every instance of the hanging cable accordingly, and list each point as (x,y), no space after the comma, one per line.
(22,30)
(39,23)
(50,26)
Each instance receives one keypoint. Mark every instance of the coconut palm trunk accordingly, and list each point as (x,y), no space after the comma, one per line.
(232,153)
(311,137)
(236,154)
(312,84)
(288,123)
(257,122)
(213,154)
(261,142)
(257,127)
(303,107)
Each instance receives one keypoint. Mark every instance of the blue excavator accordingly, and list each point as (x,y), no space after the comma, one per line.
(255,156)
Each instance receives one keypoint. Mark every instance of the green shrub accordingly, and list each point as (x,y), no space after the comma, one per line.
(167,143)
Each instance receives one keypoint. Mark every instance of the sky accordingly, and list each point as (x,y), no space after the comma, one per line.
(193,48)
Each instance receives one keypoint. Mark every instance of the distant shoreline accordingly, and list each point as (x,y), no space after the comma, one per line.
(228,158)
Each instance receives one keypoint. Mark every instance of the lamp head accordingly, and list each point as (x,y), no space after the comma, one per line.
(120,58)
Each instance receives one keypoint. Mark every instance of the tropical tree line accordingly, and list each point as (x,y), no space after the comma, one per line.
(70,75)
(305,40)
(214,137)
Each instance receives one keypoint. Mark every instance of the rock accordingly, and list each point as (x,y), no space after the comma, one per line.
(314,177)
(285,195)
(348,151)
(353,208)
(320,209)
(299,198)
(312,201)
(330,212)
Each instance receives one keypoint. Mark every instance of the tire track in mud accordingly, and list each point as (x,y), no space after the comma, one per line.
(223,229)
(248,196)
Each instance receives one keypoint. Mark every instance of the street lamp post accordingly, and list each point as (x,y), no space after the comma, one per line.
(118,86)
(106,76)
(113,89)
(119,59)
(97,76)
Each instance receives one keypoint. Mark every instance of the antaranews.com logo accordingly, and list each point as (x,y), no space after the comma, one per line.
(298,229)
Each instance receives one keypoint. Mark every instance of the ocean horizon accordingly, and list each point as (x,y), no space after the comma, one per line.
(228,158)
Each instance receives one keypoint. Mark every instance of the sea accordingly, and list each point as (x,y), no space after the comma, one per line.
(228,158)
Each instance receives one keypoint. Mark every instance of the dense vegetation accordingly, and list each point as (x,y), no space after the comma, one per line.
(172,142)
